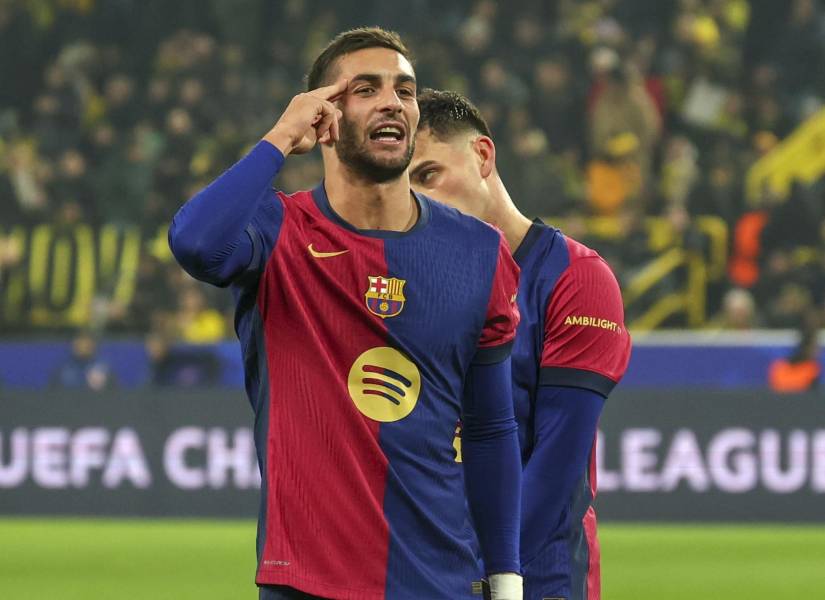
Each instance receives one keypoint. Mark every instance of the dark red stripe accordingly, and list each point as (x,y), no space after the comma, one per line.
(326,530)
(388,373)
(594,583)
(385,384)
(382,394)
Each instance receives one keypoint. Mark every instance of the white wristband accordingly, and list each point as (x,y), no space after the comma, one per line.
(505,586)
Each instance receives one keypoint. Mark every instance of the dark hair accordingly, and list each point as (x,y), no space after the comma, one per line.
(352,41)
(449,113)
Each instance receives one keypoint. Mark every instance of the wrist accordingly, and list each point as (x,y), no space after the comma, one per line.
(503,586)
(280,140)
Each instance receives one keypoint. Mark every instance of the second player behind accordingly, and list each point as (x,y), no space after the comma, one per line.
(571,348)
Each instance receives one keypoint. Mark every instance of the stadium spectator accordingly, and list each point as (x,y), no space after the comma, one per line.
(83,369)
(180,366)
(738,311)
(801,371)
(195,321)
(624,128)
(598,107)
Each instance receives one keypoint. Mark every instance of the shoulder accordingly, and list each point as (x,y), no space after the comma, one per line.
(297,205)
(545,255)
(584,327)
(586,264)
(577,250)
(299,200)
(584,290)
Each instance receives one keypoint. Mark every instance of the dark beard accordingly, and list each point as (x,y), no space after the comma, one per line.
(364,165)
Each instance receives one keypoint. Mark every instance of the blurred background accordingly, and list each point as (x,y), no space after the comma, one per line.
(682,139)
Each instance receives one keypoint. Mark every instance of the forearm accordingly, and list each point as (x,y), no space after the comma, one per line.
(492,465)
(565,424)
(208,235)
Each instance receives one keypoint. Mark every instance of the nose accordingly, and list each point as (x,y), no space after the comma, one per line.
(390,102)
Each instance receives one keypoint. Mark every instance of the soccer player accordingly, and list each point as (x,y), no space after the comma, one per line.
(570,351)
(370,319)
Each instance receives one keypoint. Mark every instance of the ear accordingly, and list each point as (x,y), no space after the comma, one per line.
(485,151)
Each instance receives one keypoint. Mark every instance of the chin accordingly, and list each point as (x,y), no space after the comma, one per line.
(377,165)
(399,162)
(387,155)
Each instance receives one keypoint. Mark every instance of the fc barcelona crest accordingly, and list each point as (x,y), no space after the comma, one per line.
(385,296)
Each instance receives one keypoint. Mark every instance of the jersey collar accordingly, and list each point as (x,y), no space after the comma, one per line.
(530,238)
(319,194)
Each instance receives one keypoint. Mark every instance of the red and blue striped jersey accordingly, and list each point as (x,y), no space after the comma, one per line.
(356,345)
(571,335)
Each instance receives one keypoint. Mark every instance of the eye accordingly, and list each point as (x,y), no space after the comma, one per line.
(406,92)
(426,176)
(367,89)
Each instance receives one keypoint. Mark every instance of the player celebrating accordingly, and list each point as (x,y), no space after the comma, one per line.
(366,328)
(570,351)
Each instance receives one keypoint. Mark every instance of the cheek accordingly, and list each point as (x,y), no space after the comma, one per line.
(452,188)
(413,116)
(351,116)
(460,194)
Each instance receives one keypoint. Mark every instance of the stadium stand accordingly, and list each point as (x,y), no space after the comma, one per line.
(680,139)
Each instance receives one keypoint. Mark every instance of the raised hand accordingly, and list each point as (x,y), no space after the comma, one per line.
(310,118)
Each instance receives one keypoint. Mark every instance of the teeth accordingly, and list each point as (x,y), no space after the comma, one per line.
(390,130)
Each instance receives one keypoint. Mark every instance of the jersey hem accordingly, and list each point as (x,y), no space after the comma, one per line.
(314,587)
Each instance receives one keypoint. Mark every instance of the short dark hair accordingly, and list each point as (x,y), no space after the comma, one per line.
(449,113)
(352,41)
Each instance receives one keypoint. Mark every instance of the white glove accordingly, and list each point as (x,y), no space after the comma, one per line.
(504,586)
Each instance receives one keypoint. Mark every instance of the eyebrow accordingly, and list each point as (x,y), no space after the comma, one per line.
(422,166)
(375,79)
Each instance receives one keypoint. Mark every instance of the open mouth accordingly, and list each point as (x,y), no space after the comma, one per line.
(388,134)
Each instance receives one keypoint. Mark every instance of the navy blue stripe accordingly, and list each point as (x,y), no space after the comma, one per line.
(493,354)
(580,378)
(398,377)
(532,236)
(388,373)
(261,382)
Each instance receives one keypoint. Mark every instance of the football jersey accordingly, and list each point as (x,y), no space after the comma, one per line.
(571,334)
(355,346)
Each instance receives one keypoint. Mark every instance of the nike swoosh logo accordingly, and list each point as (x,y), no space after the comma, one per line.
(317,254)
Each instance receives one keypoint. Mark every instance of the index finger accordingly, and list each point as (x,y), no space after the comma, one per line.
(331,92)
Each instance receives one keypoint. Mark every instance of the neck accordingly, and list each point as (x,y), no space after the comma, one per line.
(369,205)
(504,215)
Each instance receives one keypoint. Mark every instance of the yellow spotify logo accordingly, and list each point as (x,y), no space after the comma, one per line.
(384,384)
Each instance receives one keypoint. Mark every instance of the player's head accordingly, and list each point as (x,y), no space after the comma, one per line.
(454,154)
(380,112)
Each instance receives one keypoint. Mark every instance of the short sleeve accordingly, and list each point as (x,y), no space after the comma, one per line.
(586,344)
(502,316)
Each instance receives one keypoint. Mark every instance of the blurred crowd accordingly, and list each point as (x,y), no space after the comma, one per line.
(115,112)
